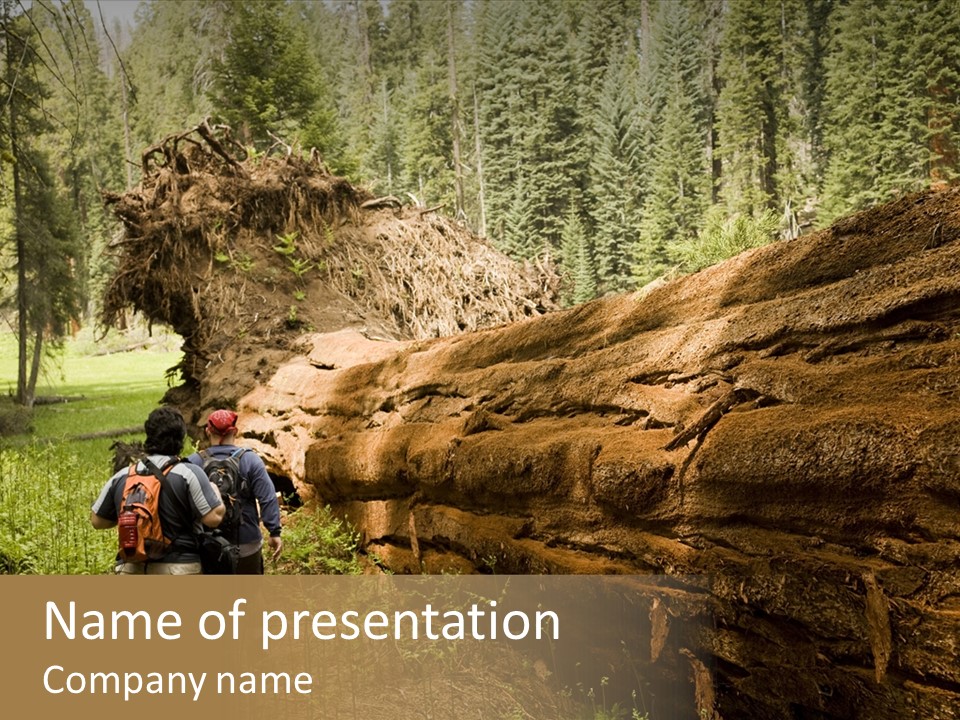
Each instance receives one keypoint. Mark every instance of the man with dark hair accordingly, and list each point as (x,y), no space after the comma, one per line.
(187,498)
(256,488)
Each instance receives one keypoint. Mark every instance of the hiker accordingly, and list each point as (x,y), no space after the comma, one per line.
(254,486)
(187,501)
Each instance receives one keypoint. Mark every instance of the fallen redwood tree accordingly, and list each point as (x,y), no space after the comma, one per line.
(776,434)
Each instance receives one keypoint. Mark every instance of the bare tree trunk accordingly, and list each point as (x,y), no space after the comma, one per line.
(455,113)
(386,122)
(126,130)
(479,149)
(12,62)
(34,368)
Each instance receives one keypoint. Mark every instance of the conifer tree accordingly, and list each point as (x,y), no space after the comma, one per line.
(44,235)
(679,177)
(170,66)
(498,90)
(84,141)
(425,105)
(748,114)
(876,130)
(576,256)
(426,146)
(348,38)
(528,108)
(933,56)
(266,81)
(616,171)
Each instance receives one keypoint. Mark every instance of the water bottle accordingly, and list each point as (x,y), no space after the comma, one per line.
(129,537)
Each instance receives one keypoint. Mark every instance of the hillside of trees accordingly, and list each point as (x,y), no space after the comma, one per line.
(626,139)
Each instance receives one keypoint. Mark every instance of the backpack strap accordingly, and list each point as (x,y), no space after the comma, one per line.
(244,489)
(160,472)
(205,454)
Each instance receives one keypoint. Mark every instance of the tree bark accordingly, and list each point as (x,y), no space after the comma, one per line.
(455,114)
(479,151)
(22,395)
(31,391)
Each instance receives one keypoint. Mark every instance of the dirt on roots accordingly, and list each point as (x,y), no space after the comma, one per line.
(241,257)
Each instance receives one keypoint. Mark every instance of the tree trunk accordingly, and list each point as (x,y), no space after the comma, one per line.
(22,396)
(455,114)
(125,117)
(31,391)
(479,150)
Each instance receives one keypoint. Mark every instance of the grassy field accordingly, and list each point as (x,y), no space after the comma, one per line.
(48,478)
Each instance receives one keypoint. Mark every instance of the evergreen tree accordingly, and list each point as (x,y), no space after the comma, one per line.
(616,171)
(426,146)
(44,236)
(170,66)
(497,88)
(348,38)
(576,255)
(528,113)
(896,128)
(936,56)
(679,177)
(748,115)
(386,146)
(84,141)
(346,132)
(603,31)
(425,106)
(266,81)
(51,254)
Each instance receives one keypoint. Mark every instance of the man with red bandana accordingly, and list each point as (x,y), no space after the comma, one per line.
(221,431)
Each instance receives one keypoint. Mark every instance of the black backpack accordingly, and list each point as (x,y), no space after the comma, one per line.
(220,547)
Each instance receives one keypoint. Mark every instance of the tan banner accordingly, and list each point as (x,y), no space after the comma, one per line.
(480,647)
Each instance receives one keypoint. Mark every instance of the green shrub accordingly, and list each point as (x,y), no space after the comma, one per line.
(725,236)
(14,419)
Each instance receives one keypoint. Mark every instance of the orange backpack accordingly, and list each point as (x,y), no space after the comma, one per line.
(141,536)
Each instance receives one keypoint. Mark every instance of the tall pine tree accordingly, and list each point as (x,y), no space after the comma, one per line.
(679,176)
(45,242)
(616,181)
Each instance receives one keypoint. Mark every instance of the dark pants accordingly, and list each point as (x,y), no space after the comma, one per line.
(251,564)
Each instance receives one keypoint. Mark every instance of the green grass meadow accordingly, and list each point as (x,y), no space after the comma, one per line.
(48,477)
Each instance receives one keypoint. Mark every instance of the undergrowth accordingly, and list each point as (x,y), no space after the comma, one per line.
(315,542)
(46,490)
(49,478)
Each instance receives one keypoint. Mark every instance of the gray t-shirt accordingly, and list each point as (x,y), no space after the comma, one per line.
(187,496)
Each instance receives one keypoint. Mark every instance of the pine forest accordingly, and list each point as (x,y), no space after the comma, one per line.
(625,140)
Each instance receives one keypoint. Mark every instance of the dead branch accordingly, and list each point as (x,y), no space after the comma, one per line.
(206,132)
(109,433)
(381,202)
(711,416)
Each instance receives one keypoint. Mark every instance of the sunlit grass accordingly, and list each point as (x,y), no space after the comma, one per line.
(49,479)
